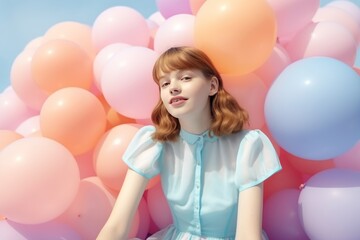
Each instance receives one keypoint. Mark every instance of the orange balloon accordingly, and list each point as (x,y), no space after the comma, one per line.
(7,137)
(74,31)
(73,117)
(238,35)
(61,63)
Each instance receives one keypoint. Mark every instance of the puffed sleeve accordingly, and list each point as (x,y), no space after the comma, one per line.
(143,153)
(256,160)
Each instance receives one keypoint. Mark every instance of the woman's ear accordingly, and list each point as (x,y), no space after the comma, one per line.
(214,85)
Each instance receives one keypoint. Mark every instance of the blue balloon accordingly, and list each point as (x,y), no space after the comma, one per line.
(313,108)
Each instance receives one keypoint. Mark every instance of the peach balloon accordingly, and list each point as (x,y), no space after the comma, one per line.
(91,208)
(39,179)
(195,5)
(237,35)
(74,31)
(250,92)
(108,153)
(74,117)
(61,63)
(23,82)
(7,137)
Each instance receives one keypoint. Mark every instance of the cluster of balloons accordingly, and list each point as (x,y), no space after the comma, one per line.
(79,93)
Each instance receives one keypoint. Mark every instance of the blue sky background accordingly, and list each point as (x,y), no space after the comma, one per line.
(24,20)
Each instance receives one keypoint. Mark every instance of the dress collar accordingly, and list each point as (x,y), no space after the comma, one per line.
(193,138)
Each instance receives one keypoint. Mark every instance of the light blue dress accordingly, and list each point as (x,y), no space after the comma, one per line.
(201,177)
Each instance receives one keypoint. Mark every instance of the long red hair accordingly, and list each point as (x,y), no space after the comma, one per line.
(227,116)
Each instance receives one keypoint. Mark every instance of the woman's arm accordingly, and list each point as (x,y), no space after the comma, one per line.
(249,216)
(119,223)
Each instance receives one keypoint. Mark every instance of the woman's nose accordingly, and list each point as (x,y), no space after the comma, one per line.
(175,89)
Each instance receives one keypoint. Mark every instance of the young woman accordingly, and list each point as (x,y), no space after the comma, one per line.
(211,168)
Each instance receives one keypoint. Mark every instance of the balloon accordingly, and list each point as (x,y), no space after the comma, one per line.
(23,82)
(313,108)
(288,177)
(51,230)
(274,65)
(91,209)
(144,224)
(61,63)
(237,35)
(176,31)
(292,15)
(159,209)
(85,164)
(157,18)
(29,126)
(127,82)
(349,7)
(339,16)
(120,24)
(73,31)
(281,219)
(350,159)
(39,179)
(108,153)
(307,166)
(13,110)
(74,117)
(329,207)
(169,8)
(103,57)
(195,5)
(7,137)
(313,40)
(250,92)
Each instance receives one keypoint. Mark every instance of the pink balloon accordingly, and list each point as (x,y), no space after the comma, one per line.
(23,82)
(91,208)
(144,224)
(127,82)
(108,154)
(29,126)
(250,92)
(159,209)
(103,57)
(292,15)
(51,230)
(39,179)
(177,30)
(349,7)
(170,8)
(278,61)
(120,24)
(13,110)
(339,16)
(328,39)
(85,164)
(281,219)
(157,18)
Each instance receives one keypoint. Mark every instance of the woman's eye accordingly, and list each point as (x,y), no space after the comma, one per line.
(185,78)
(164,84)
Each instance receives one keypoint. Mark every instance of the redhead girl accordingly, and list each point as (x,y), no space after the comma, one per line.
(212,169)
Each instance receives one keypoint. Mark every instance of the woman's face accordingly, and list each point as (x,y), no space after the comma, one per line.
(185,93)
